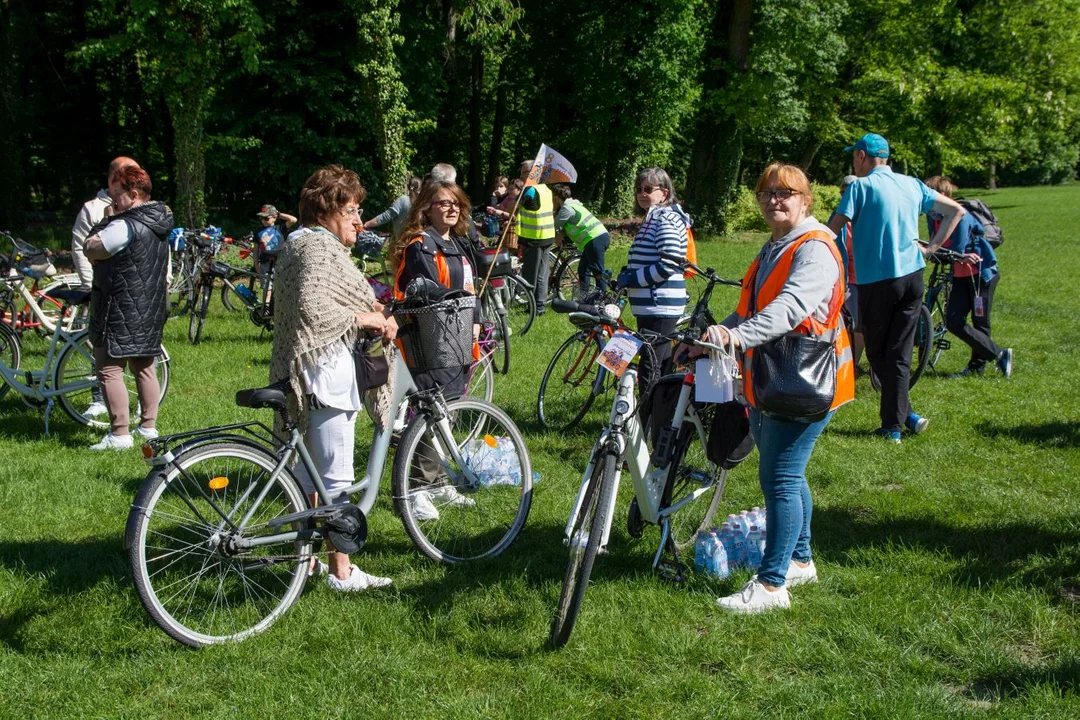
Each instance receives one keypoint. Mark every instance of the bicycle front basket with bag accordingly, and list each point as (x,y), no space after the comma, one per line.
(437,335)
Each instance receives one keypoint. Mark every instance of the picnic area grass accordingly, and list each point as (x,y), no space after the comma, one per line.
(950,565)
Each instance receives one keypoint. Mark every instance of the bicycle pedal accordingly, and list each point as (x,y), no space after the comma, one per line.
(671,570)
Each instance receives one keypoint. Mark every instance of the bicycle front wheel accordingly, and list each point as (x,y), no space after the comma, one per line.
(585,541)
(520,306)
(567,390)
(193,571)
(469,509)
(923,346)
(80,396)
(568,279)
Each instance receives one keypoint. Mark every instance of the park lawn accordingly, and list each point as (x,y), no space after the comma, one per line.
(950,565)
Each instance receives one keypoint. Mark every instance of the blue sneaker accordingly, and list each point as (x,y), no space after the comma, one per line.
(917,425)
(892,436)
(1005,362)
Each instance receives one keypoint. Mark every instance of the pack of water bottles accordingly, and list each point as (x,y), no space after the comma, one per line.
(739,542)
(495,461)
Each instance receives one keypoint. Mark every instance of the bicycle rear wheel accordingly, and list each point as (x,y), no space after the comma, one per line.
(568,279)
(482,380)
(458,512)
(691,471)
(84,405)
(585,540)
(10,353)
(199,312)
(502,336)
(520,305)
(568,388)
(191,577)
(923,346)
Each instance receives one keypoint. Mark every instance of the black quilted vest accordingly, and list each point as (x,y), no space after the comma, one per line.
(129,298)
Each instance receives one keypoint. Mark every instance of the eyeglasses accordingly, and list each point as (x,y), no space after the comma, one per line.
(350,211)
(782,194)
(445,205)
(648,189)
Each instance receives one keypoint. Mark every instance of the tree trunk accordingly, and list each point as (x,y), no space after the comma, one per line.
(991,175)
(498,126)
(377,23)
(716,155)
(476,188)
(187,120)
(445,132)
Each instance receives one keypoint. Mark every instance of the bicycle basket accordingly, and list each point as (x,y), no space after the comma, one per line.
(219,269)
(437,336)
(31,261)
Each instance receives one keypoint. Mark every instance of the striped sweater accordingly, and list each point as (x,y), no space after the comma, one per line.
(657,287)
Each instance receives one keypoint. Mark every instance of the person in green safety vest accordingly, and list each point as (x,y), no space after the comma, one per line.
(536,231)
(582,229)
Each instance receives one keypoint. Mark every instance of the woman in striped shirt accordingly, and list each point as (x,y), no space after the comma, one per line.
(653,276)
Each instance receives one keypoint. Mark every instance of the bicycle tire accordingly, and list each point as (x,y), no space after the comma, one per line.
(502,336)
(498,510)
(568,279)
(198,314)
(482,380)
(172,528)
(10,353)
(76,364)
(922,347)
(567,388)
(520,304)
(591,519)
(52,310)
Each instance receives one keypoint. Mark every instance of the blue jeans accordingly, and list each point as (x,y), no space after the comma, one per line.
(784,447)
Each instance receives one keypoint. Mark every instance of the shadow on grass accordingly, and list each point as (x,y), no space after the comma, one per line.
(985,555)
(68,568)
(28,425)
(1063,678)
(1056,434)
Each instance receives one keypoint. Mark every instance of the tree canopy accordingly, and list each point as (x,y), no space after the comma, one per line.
(232,103)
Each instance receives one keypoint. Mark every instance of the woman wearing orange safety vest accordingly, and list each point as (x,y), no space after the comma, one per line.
(797,286)
(435,245)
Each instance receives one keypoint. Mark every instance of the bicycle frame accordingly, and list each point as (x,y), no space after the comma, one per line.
(19,288)
(625,437)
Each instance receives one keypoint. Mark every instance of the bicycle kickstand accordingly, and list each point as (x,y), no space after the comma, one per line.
(48,411)
(668,566)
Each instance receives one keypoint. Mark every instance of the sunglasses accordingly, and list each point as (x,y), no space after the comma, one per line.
(648,189)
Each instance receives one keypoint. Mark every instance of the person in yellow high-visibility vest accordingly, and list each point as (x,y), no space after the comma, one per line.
(536,231)
(585,231)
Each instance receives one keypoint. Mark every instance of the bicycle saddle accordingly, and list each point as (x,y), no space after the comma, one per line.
(70,296)
(272,396)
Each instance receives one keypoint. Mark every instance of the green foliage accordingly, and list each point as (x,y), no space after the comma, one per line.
(744,214)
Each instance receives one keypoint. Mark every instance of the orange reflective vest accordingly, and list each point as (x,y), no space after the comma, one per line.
(444,280)
(832,327)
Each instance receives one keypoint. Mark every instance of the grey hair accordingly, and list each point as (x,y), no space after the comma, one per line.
(848,179)
(443,172)
(658,177)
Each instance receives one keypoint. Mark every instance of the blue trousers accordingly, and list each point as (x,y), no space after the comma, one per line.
(784,447)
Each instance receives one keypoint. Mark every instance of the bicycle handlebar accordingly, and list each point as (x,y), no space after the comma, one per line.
(685,264)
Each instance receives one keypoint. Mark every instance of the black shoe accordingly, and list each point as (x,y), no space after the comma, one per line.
(1005,362)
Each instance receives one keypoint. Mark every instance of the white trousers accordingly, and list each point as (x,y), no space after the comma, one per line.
(330,438)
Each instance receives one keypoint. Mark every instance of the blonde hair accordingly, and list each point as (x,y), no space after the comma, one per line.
(418,221)
(788,177)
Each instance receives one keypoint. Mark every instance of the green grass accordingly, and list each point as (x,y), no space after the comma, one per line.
(943,561)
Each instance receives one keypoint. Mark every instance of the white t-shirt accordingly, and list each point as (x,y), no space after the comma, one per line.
(333,379)
(115,237)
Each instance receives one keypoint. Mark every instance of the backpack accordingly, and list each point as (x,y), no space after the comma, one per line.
(691,252)
(987,219)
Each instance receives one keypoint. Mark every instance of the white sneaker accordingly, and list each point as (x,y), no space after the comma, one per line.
(422,507)
(358,581)
(114,442)
(800,575)
(96,409)
(318,568)
(754,598)
(448,495)
(144,434)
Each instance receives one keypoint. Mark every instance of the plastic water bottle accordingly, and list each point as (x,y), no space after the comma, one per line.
(738,546)
(753,547)
(762,521)
(699,551)
(246,293)
(744,521)
(718,561)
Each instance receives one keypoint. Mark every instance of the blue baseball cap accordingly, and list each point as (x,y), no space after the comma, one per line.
(872,144)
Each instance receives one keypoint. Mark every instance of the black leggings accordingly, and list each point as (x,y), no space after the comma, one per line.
(961,305)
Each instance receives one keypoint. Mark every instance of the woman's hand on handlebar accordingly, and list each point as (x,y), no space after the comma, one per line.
(972,258)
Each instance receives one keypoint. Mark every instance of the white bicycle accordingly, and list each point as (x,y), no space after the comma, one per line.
(676,487)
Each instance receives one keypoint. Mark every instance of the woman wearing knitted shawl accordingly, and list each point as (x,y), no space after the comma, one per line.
(322,305)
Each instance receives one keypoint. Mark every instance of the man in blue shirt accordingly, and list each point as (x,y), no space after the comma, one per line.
(883,208)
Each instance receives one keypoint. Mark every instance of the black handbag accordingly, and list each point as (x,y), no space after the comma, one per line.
(793,376)
(372,368)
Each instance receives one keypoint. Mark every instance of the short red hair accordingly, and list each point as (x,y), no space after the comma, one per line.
(133,177)
(788,177)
